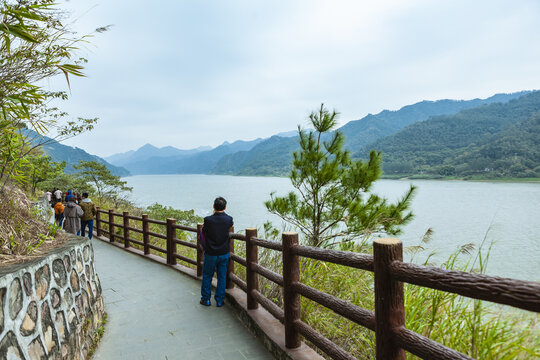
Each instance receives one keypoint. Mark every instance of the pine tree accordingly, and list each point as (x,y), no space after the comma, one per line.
(333,203)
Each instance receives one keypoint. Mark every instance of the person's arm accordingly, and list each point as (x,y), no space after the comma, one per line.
(94,210)
(80,211)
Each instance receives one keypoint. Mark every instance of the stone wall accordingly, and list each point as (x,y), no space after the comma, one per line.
(51,307)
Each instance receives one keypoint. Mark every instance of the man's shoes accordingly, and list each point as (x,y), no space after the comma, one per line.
(205,302)
(219,304)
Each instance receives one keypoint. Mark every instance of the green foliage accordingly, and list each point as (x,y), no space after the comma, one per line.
(34,45)
(333,203)
(492,141)
(184,217)
(471,327)
(100,178)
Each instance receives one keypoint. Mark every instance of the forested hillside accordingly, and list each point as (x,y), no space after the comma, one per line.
(271,157)
(71,155)
(493,140)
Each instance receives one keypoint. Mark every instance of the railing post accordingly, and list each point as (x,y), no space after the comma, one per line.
(200,251)
(252,278)
(389,308)
(98,221)
(230,269)
(111,226)
(145,234)
(291,299)
(126,230)
(171,242)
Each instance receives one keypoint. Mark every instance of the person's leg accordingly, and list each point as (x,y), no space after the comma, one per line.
(90,228)
(83,227)
(222,265)
(208,272)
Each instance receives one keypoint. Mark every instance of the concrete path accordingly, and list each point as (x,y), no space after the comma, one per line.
(154,313)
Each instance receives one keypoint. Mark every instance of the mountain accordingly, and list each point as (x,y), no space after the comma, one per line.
(273,157)
(360,133)
(71,155)
(499,139)
(200,162)
(270,157)
(148,151)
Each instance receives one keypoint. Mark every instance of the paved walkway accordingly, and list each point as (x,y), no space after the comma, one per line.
(154,313)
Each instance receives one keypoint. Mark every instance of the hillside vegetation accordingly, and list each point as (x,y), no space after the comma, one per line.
(496,140)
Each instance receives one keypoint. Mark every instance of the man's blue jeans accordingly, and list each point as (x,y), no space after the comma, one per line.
(213,263)
(90,224)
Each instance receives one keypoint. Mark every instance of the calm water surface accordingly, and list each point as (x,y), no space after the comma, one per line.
(507,214)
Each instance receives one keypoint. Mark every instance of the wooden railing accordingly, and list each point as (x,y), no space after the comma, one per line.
(388,320)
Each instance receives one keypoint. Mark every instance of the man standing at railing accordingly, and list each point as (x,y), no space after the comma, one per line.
(216,252)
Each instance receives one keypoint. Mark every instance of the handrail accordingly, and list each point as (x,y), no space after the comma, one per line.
(392,338)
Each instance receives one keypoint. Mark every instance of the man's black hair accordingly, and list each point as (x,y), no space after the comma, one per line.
(84,194)
(220,204)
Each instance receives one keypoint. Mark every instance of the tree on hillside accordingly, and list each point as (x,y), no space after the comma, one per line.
(333,203)
(106,185)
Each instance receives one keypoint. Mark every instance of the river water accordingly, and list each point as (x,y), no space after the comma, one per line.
(482,213)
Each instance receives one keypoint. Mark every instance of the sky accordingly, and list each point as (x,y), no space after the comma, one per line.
(201,72)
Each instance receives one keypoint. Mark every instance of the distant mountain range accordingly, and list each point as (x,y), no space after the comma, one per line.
(428,137)
(71,155)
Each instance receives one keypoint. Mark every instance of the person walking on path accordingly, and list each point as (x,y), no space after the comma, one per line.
(69,196)
(72,214)
(58,194)
(89,211)
(216,252)
(58,212)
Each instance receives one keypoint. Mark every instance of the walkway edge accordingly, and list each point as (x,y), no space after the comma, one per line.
(260,322)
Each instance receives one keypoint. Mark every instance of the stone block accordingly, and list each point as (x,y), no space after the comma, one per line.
(27,283)
(2,301)
(67,263)
(36,350)
(59,272)
(15,298)
(43,279)
(9,347)
(75,286)
(68,299)
(56,299)
(50,337)
(86,253)
(28,325)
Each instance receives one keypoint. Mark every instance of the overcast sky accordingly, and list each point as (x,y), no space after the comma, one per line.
(200,72)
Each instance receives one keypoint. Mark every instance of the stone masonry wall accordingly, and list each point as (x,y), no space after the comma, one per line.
(51,307)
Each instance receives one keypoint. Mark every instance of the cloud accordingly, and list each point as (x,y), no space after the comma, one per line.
(198,73)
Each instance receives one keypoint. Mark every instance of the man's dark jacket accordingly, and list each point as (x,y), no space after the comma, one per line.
(216,232)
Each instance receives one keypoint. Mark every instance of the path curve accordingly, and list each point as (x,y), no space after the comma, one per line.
(154,313)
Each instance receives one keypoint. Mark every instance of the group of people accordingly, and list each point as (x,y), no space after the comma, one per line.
(72,211)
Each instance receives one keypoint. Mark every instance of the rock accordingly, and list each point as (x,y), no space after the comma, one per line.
(56,300)
(79,307)
(15,298)
(50,338)
(61,325)
(87,271)
(67,263)
(68,298)
(72,321)
(36,351)
(59,272)
(9,347)
(80,267)
(75,281)
(28,325)
(27,283)
(43,278)
(2,301)
(73,257)
(86,253)
(86,302)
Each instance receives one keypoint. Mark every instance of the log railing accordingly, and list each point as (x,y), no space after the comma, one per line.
(388,319)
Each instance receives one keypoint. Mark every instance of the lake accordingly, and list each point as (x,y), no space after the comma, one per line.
(459,212)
